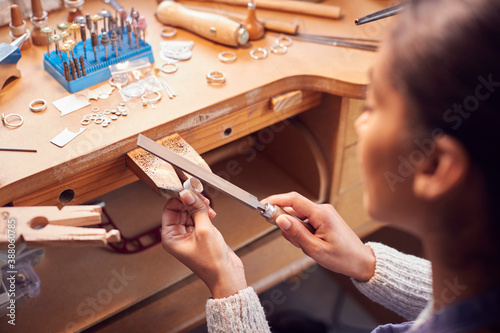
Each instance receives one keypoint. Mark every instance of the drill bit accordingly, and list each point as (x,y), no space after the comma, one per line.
(74,27)
(67,75)
(129,33)
(95,20)
(119,32)
(47,31)
(71,44)
(55,39)
(105,14)
(136,32)
(83,35)
(114,39)
(88,19)
(142,27)
(95,42)
(105,41)
(63,26)
(123,16)
(82,65)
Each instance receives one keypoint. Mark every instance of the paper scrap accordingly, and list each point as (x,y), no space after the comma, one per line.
(66,136)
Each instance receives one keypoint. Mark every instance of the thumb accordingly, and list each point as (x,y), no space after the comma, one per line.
(296,233)
(195,206)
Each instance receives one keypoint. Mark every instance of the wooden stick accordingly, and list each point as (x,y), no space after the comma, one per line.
(47,226)
(290,6)
(273,25)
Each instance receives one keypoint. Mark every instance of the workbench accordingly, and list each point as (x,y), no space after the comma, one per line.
(307,146)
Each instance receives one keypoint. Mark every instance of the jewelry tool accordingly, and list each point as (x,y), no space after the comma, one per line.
(268,211)
(386,12)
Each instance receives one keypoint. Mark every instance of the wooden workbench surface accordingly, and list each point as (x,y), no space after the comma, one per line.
(160,293)
(306,66)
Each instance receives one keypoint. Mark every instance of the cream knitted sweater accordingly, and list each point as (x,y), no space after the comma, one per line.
(402,283)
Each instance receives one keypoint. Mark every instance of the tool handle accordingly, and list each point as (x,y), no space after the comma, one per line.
(273,211)
(281,26)
(299,7)
(214,27)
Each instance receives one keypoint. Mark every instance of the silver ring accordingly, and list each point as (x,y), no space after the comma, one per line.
(227,56)
(146,101)
(98,121)
(216,77)
(260,53)
(107,111)
(171,70)
(284,40)
(40,108)
(193,184)
(85,121)
(87,116)
(95,109)
(168,32)
(279,49)
(5,119)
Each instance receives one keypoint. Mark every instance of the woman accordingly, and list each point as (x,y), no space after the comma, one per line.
(429,152)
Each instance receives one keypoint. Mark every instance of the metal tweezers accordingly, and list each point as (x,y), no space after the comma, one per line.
(355,43)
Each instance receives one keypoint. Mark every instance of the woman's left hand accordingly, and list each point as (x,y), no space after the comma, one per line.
(189,235)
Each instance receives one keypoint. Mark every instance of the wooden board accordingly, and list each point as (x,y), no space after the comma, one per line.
(161,176)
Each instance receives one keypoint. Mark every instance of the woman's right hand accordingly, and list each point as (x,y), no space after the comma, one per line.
(334,245)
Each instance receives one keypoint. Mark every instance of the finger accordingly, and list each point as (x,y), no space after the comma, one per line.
(196,208)
(297,233)
(284,234)
(300,204)
(292,212)
(171,210)
(211,212)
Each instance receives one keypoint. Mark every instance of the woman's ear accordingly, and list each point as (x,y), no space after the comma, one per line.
(442,170)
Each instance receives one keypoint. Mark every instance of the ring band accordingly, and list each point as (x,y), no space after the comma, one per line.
(260,53)
(193,184)
(279,49)
(171,70)
(227,56)
(216,78)
(284,40)
(146,101)
(5,119)
(40,108)
(168,32)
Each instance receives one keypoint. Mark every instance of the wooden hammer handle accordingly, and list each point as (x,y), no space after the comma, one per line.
(314,9)
(215,27)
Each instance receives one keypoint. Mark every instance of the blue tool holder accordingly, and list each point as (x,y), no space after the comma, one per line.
(97,70)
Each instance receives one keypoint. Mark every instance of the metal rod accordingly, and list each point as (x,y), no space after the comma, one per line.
(341,43)
(386,12)
(334,38)
(18,149)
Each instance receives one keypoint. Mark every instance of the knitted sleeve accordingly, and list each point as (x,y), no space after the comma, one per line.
(241,312)
(402,282)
